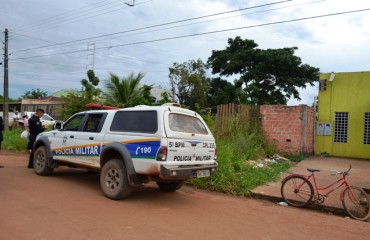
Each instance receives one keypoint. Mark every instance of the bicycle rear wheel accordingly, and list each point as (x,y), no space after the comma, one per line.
(297,191)
(356,203)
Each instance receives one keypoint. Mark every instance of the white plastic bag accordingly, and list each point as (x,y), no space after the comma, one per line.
(25,135)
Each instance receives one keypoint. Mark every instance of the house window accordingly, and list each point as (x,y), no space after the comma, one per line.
(341,127)
(367,129)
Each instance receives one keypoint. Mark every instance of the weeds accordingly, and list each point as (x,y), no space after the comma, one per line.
(13,141)
(235,176)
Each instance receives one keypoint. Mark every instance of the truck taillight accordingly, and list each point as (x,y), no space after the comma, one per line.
(162,154)
(216,152)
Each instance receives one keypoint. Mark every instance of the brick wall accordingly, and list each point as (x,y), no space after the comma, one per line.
(289,128)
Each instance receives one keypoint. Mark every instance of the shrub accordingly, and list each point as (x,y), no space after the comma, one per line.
(13,141)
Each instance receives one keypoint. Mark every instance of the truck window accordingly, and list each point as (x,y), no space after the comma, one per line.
(93,122)
(73,124)
(135,121)
(185,123)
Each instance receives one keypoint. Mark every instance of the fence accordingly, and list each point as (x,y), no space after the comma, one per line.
(233,118)
(288,128)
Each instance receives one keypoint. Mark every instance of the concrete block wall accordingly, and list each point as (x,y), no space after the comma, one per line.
(289,128)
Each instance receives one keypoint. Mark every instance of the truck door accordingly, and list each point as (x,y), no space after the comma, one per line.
(63,142)
(189,140)
(89,140)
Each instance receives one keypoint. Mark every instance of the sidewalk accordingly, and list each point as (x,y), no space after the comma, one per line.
(358,176)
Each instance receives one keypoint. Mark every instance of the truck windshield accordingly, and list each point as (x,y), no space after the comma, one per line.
(185,123)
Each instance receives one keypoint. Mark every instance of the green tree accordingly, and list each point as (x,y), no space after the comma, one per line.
(165,98)
(35,94)
(10,99)
(145,97)
(189,82)
(221,91)
(89,86)
(75,100)
(270,76)
(146,94)
(124,92)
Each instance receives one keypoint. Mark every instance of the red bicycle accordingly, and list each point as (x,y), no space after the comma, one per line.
(297,191)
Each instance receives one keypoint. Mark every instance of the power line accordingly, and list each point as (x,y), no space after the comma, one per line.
(153,26)
(34,38)
(205,33)
(42,40)
(78,18)
(138,59)
(206,21)
(62,15)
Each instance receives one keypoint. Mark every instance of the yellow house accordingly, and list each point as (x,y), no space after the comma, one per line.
(343,115)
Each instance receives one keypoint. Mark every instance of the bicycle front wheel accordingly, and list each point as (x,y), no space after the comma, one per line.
(296,191)
(356,203)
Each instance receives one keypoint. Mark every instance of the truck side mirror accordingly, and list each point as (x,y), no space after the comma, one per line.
(58,125)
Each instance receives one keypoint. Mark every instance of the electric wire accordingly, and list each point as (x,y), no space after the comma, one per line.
(206,21)
(153,26)
(85,16)
(205,33)
(190,24)
(58,17)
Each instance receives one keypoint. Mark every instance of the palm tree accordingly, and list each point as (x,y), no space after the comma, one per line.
(123,92)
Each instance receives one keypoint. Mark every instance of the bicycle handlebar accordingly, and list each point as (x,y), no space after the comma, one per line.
(349,169)
(336,172)
(342,173)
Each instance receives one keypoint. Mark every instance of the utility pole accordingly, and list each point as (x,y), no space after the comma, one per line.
(6,84)
(91,52)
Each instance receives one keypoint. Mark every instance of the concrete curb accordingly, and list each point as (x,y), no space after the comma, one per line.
(316,207)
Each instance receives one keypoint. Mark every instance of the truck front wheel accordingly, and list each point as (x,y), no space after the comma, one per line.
(113,180)
(40,162)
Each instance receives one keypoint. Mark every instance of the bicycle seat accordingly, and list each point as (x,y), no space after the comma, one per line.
(313,170)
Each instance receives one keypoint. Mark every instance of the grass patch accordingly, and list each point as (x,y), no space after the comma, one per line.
(13,141)
(235,176)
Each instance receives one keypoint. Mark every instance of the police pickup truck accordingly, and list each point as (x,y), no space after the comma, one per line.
(132,146)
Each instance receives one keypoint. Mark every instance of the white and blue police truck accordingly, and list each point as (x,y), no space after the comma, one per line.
(131,146)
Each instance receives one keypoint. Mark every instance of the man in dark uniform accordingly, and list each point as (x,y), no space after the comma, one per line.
(35,128)
(1,134)
(1,130)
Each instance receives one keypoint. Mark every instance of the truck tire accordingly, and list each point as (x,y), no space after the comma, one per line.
(170,186)
(40,162)
(113,180)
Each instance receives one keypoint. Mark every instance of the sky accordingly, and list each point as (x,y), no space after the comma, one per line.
(47,49)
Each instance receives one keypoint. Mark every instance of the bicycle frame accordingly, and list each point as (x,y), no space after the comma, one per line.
(340,182)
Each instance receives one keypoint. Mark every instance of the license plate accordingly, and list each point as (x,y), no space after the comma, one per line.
(203,173)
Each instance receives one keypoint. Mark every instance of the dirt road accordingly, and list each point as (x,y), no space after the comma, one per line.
(69,205)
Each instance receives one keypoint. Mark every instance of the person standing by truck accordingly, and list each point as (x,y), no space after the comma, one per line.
(1,131)
(35,128)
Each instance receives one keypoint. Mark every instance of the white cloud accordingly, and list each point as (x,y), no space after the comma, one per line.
(337,43)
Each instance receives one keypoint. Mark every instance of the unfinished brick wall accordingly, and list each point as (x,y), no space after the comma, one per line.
(289,128)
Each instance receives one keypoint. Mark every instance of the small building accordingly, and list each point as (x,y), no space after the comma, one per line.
(52,105)
(343,115)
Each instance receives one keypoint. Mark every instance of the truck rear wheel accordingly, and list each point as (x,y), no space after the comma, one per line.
(113,180)
(170,186)
(40,162)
